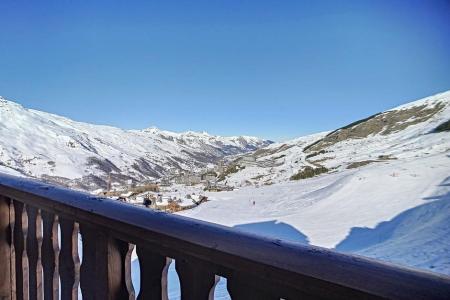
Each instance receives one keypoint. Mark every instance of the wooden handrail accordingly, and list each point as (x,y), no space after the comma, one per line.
(255,267)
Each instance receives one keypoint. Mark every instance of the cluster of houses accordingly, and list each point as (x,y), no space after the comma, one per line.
(172,204)
(191,178)
(210,177)
(151,196)
(159,201)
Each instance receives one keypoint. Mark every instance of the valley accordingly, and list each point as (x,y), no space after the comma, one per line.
(378,187)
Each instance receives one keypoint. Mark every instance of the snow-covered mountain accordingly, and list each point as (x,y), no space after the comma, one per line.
(405,132)
(384,191)
(81,155)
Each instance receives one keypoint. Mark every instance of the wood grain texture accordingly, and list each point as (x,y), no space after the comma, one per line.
(126,251)
(103,271)
(34,242)
(88,272)
(7,263)
(240,289)
(50,256)
(69,261)
(20,245)
(197,280)
(12,218)
(153,272)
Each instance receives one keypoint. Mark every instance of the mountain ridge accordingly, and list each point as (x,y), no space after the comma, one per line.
(407,130)
(82,155)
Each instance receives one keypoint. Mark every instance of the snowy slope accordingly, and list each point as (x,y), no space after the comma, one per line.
(395,208)
(394,205)
(274,163)
(397,211)
(81,155)
(402,132)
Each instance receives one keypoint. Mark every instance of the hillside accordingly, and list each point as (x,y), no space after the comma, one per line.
(386,193)
(413,130)
(81,155)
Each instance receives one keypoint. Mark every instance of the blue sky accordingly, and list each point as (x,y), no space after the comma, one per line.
(275,69)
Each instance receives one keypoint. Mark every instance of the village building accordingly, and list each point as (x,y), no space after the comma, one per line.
(188,179)
(209,176)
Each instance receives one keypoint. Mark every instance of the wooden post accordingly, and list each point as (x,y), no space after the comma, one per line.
(34,242)
(104,274)
(153,271)
(7,264)
(197,281)
(69,261)
(240,289)
(20,245)
(50,256)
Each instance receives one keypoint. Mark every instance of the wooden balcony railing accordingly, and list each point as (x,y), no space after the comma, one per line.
(40,225)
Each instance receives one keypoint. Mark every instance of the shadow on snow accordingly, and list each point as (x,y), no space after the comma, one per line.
(419,236)
(274,229)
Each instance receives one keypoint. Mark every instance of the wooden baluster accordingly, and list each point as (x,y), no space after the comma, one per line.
(88,265)
(20,245)
(126,250)
(69,261)
(34,242)
(12,218)
(153,272)
(243,287)
(50,256)
(7,263)
(103,271)
(196,279)
(165,280)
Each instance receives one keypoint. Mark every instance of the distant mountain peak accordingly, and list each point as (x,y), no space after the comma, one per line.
(152,129)
(83,155)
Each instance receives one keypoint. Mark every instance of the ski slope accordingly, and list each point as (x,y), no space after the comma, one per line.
(397,211)
(376,211)
(396,207)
